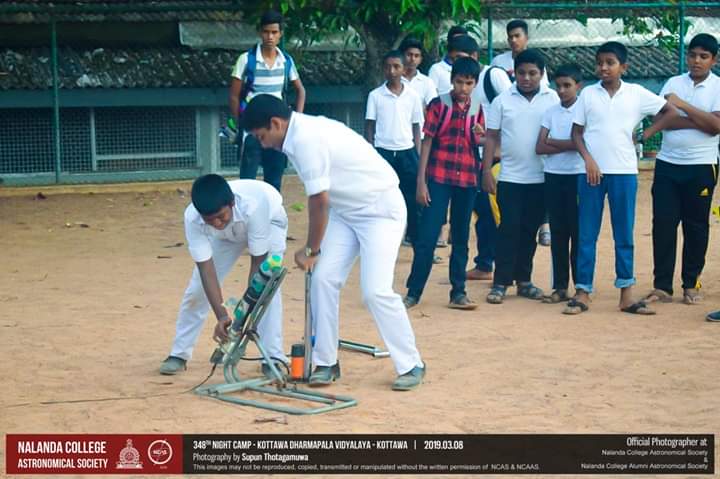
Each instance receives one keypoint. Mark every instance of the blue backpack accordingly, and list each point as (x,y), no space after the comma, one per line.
(249,75)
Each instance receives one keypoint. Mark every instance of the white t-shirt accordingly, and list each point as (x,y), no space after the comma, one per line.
(394,116)
(559,120)
(257,207)
(609,123)
(439,73)
(424,86)
(519,123)
(500,83)
(268,80)
(507,62)
(691,146)
(329,156)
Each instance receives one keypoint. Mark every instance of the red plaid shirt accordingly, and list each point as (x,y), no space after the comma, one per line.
(453,161)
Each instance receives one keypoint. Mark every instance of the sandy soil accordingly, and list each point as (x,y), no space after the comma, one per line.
(89,313)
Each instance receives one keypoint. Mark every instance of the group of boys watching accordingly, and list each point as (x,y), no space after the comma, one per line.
(560,154)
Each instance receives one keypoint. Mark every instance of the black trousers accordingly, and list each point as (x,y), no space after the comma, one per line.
(561,201)
(405,164)
(522,210)
(252,154)
(681,193)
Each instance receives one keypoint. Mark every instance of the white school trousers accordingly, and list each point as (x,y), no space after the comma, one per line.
(194,307)
(374,233)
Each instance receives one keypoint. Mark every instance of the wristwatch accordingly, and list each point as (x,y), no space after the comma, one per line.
(310,253)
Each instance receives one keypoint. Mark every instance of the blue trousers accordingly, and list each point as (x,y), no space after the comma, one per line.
(621,191)
(486,233)
(461,202)
(253,155)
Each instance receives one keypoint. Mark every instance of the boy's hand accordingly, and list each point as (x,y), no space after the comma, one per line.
(673,99)
(594,175)
(422,195)
(489,185)
(303,261)
(221,329)
(478,129)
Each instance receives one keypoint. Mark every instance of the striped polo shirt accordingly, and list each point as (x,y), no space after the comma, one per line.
(268,80)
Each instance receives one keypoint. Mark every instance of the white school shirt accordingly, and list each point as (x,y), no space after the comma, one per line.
(507,63)
(691,146)
(394,116)
(424,86)
(329,156)
(439,73)
(609,123)
(268,80)
(500,83)
(257,206)
(519,123)
(559,120)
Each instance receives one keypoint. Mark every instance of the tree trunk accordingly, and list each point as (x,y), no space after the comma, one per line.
(378,41)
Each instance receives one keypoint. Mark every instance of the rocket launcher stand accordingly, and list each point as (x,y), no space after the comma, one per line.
(278,385)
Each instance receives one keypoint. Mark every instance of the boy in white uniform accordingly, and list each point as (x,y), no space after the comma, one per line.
(223,220)
(355,208)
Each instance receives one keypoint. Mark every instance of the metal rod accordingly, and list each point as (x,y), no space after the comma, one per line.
(308,328)
(681,40)
(489,35)
(56,99)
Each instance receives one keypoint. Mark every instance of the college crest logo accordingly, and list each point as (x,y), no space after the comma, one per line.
(129,457)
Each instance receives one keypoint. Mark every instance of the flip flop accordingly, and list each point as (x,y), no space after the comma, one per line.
(575,306)
(692,296)
(496,295)
(529,291)
(640,307)
(657,295)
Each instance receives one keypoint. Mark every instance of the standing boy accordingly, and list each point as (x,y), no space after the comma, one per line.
(263,69)
(448,174)
(491,82)
(355,208)
(605,117)
(423,85)
(686,173)
(223,221)
(392,124)
(439,72)
(514,121)
(517,39)
(563,164)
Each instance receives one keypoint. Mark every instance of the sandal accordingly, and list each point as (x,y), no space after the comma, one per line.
(557,296)
(529,291)
(496,294)
(692,296)
(575,306)
(640,307)
(657,295)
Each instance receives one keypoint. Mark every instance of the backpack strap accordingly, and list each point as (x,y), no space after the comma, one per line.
(288,69)
(249,78)
(446,102)
(488,88)
(470,119)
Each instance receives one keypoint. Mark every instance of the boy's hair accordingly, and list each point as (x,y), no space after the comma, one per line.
(411,42)
(463,43)
(261,109)
(513,24)
(270,17)
(210,193)
(616,48)
(532,56)
(456,30)
(393,54)
(706,42)
(466,67)
(570,70)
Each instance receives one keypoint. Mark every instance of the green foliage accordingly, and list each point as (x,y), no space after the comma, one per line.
(661,28)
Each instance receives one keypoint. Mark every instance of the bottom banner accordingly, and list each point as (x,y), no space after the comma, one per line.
(360,454)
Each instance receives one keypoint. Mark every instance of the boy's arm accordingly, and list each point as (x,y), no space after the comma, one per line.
(542,146)
(299,95)
(422,196)
(561,145)
(492,139)
(665,116)
(370,131)
(707,122)
(416,136)
(591,168)
(236,86)
(318,208)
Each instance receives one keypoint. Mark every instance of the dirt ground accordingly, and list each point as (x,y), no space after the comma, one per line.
(89,313)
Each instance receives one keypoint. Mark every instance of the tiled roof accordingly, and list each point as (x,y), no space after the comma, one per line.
(41,11)
(181,67)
